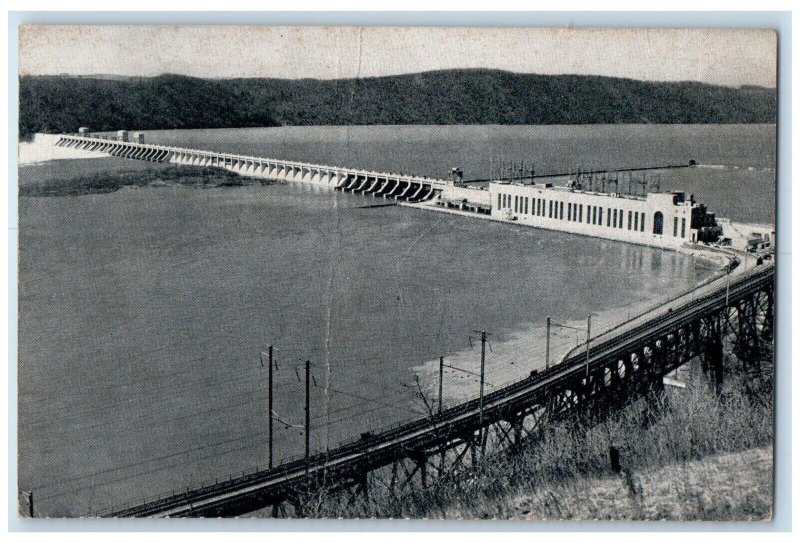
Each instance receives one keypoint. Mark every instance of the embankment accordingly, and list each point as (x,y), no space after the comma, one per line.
(686,454)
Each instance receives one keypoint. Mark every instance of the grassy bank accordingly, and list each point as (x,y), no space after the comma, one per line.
(686,454)
(105,182)
(728,486)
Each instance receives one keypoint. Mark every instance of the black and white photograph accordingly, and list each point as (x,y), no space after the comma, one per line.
(396,272)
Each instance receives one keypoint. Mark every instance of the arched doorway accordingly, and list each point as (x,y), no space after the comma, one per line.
(658,223)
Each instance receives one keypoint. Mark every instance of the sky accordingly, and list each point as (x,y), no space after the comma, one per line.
(719,56)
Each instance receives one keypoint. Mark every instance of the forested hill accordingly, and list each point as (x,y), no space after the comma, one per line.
(63,103)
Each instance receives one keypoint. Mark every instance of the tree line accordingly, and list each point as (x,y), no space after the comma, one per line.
(63,103)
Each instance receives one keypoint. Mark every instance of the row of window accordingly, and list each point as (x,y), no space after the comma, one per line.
(553,209)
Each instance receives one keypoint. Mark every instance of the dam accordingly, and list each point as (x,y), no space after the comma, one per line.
(387,185)
(667,220)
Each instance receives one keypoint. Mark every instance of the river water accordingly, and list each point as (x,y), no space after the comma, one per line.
(143,312)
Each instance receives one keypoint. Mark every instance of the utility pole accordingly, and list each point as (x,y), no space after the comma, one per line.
(547,346)
(727,300)
(270,384)
(483,381)
(441,400)
(308,415)
(588,339)
(441,381)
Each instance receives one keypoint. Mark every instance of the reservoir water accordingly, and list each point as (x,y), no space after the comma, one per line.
(142,313)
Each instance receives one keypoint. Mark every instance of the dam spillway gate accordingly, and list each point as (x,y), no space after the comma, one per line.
(395,186)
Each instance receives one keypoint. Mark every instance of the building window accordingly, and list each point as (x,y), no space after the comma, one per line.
(600,216)
(580,212)
(561,211)
(675,227)
(550,209)
(516,204)
(621,218)
(630,220)
(608,217)
(683,228)
(526,205)
(641,223)
(615,218)
(594,215)
(569,211)
(658,223)
(499,201)
(636,220)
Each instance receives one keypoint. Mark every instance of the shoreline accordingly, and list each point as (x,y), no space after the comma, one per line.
(41,149)
(526,346)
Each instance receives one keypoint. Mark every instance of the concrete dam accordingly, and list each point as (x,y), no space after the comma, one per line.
(667,220)
(379,184)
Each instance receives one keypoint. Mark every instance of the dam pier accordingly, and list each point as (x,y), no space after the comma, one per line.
(396,186)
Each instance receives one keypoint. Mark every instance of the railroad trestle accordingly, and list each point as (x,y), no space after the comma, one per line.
(735,318)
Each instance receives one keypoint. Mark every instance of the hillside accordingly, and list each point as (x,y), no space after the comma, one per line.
(62,103)
(685,454)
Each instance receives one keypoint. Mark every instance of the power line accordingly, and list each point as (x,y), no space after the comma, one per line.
(364,398)
(149,461)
